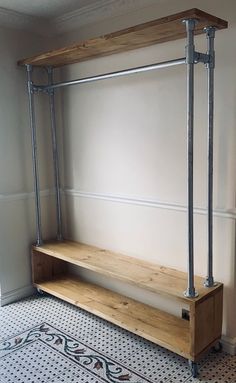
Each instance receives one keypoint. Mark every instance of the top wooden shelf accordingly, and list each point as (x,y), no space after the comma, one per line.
(152,277)
(157,31)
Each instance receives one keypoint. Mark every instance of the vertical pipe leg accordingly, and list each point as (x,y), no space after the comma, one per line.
(193,368)
(190,24)
(210,35)
(55,155)
(39,240)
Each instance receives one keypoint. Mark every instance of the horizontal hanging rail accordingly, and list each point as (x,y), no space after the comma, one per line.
(125,72)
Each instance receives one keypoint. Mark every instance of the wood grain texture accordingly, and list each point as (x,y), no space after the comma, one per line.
(206,323)
(152,324)
(152,277)
(203,326)
(153,32)
(45,267)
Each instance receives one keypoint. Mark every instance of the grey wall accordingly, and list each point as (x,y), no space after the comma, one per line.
(17,226)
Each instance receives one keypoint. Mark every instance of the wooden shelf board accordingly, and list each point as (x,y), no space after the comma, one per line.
(152,277)
(153,32)
(159,327)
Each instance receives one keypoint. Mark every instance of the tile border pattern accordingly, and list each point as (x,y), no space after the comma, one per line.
(101,366)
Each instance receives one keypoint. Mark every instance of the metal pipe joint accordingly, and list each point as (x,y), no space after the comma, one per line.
(190,48)
(201,58)
(210,35)
(49,91)
(30,84)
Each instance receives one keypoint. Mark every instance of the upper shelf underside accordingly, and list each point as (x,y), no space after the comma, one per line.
(153,32)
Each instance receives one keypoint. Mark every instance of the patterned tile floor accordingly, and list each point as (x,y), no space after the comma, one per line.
(35,332)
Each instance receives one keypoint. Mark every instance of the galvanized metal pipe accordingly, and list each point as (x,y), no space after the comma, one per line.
(190,25)
(210,35)
(55,154)
(39,240)
(125,72)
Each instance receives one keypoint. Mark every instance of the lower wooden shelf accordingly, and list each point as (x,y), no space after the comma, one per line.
(190,338)
(157,326)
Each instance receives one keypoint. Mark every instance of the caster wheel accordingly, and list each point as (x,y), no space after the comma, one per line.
(193,368)
(40,292)
(217,348)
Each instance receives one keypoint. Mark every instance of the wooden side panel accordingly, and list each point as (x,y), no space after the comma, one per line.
(202,329)
(218,309)
(206,322)
(45,268)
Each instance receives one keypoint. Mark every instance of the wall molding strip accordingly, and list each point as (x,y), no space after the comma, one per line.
(88,14)
(25,196)
(96,12)
(18,20)
(123,199)
(223,213)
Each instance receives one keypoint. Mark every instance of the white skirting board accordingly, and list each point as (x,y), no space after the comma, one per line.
(229,344)
(15,295)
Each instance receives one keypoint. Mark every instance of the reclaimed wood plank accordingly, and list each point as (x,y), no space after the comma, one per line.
(142,35)
(159,327)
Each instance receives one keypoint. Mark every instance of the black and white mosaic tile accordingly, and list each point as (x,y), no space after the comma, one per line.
(56,348)
(45,340)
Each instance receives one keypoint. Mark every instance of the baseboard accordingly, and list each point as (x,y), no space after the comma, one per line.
(229,344)
(15,295)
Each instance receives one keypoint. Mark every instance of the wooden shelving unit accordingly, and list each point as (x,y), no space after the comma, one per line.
(189,338)
(199,328)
